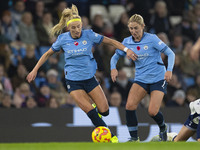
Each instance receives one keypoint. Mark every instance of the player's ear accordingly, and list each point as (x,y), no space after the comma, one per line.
(143,26)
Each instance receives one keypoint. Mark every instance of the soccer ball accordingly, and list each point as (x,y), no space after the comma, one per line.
(101,135)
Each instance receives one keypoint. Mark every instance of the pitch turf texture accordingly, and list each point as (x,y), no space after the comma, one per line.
(102,146)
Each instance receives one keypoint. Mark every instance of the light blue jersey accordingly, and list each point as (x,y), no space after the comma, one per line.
(149,65)
(79,61)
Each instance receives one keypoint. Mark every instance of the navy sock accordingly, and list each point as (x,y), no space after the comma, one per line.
(160,121)
(96,120)
(132,123)
(198,129)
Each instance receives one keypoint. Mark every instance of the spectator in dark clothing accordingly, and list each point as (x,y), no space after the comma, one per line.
(44,94)
(8,27)
(178,100)
(121,29)
(29,60)
(159,21)
(5,54)
(29,103)
(173,86)
(20,77)
(59,9)
(122,85)
(185,29)
(43,28)
(6,101)
(98,24)
(18,10)
(38,12)
(115,99)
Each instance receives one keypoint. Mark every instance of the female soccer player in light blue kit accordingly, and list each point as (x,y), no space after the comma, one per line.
(150,74)
(80,65)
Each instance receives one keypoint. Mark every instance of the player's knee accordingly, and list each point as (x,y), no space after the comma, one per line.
(106,113)
(130,106)
(152,112)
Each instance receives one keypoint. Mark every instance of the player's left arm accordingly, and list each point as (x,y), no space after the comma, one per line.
(171,59)
(163,48)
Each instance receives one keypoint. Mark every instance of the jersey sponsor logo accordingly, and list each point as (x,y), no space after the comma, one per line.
(161,42)
(76,43)
(84,42)
(138,48)
(68,44)
(77,50)
(142,56)
(146,47)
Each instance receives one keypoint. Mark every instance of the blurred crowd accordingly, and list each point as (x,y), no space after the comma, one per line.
(24,37)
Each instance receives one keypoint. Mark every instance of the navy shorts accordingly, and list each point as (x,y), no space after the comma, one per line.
(192,122)
(86,85)
(160,86)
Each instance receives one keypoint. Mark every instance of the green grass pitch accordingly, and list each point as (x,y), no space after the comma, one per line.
(102,146)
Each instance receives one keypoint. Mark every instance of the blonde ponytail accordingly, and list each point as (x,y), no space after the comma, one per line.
(74,10)
(67,15)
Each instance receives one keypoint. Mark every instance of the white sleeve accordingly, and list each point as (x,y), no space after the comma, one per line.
(195,107)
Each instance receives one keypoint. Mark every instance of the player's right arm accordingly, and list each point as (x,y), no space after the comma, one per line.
(113,64)
(31,76)
(129,53)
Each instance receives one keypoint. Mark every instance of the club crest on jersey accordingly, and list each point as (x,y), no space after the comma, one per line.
(146,47)
(84,42)
(76,43)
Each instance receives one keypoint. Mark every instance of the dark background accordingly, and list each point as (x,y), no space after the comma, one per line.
(15,124)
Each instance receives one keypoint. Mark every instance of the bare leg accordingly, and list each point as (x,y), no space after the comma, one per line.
(155,102)
(136,94)
(82,99)
(184,134)
(99,98)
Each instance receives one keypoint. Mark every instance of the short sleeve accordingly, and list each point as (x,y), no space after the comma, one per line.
(56,46)
(158,43)
(197,106)
(94,37)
